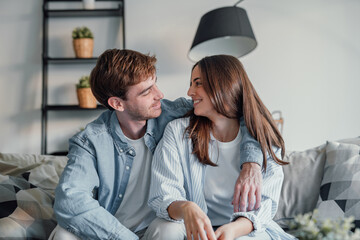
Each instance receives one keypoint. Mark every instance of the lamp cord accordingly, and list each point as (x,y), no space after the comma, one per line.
(238,3)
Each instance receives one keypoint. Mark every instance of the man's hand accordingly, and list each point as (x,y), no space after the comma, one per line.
(248,188)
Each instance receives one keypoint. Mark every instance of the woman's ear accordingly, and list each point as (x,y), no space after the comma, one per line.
(116,103)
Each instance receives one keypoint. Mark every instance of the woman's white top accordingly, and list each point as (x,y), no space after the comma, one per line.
(220,181)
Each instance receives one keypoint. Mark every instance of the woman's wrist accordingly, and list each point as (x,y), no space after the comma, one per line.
(243,226)
(176,209)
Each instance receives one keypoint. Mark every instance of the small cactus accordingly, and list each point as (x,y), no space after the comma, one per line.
(84,82)
(82,32)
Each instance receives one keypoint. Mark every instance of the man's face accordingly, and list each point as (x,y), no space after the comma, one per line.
(143,100)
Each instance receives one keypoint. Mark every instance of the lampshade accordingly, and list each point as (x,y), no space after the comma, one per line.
(224,30)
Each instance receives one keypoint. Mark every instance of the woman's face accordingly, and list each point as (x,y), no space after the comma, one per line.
(202,103)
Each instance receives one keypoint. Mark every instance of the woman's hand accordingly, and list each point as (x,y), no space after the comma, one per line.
(241,227)
(226,232)
(196,221)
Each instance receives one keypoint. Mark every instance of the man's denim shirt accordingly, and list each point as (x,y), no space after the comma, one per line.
(94,180)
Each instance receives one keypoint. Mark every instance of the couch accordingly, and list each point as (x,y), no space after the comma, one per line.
(326,177)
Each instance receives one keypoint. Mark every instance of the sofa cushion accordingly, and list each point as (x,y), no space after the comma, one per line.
(340,187)
(45,169)
(15,163)
(25,210)
(27,184)
(302,178)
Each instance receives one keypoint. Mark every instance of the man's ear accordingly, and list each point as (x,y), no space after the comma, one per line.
(116,103)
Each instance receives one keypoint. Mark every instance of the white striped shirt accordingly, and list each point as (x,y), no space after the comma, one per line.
(177,175)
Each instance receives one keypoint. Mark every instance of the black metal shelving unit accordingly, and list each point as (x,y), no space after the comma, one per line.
(49,13)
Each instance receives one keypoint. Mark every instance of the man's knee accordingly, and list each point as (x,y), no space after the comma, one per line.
(160,229)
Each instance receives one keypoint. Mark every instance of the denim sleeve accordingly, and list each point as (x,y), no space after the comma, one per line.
(75,208)
(174,109)
(171,110)
(167,179)
(250,150)
(271,188)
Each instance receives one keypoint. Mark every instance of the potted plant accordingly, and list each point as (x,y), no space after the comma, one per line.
(85,96)
(83,42)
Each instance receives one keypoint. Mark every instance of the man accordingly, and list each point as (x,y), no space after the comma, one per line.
(103,191)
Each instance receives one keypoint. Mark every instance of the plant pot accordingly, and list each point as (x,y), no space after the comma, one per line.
(83,47)
(86,98)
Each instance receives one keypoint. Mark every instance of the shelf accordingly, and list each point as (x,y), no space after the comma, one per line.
(63,60)
(70,9)
(71,108)
(110,12)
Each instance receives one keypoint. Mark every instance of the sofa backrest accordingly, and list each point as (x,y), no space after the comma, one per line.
(45,170)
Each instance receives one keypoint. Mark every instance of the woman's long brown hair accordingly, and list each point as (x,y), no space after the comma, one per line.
(232,94)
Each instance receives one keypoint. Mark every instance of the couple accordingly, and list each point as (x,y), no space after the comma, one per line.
(205,168)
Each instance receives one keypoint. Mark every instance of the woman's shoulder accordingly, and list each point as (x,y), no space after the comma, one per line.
(179,124)
(175,130)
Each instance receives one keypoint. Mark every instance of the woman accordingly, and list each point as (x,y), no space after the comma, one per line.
(196,164)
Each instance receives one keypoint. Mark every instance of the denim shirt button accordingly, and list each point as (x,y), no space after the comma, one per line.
(120,195)
(121,150)
(127,167)
(131,152)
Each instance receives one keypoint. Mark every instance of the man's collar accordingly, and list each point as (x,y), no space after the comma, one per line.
(115,126)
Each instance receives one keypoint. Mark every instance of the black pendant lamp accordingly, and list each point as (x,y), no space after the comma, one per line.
(224,30)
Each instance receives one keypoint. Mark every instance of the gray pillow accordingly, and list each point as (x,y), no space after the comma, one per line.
(302,178)
(340,188)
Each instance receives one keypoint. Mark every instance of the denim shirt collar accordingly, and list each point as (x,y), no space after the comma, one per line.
(122,144)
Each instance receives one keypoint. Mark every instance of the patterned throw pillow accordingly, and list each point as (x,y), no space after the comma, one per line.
(25,210)
(340,187)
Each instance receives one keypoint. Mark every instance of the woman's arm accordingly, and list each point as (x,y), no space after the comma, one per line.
(167,178)
(168,196)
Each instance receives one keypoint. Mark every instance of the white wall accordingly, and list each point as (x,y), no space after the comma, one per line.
(306,64)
